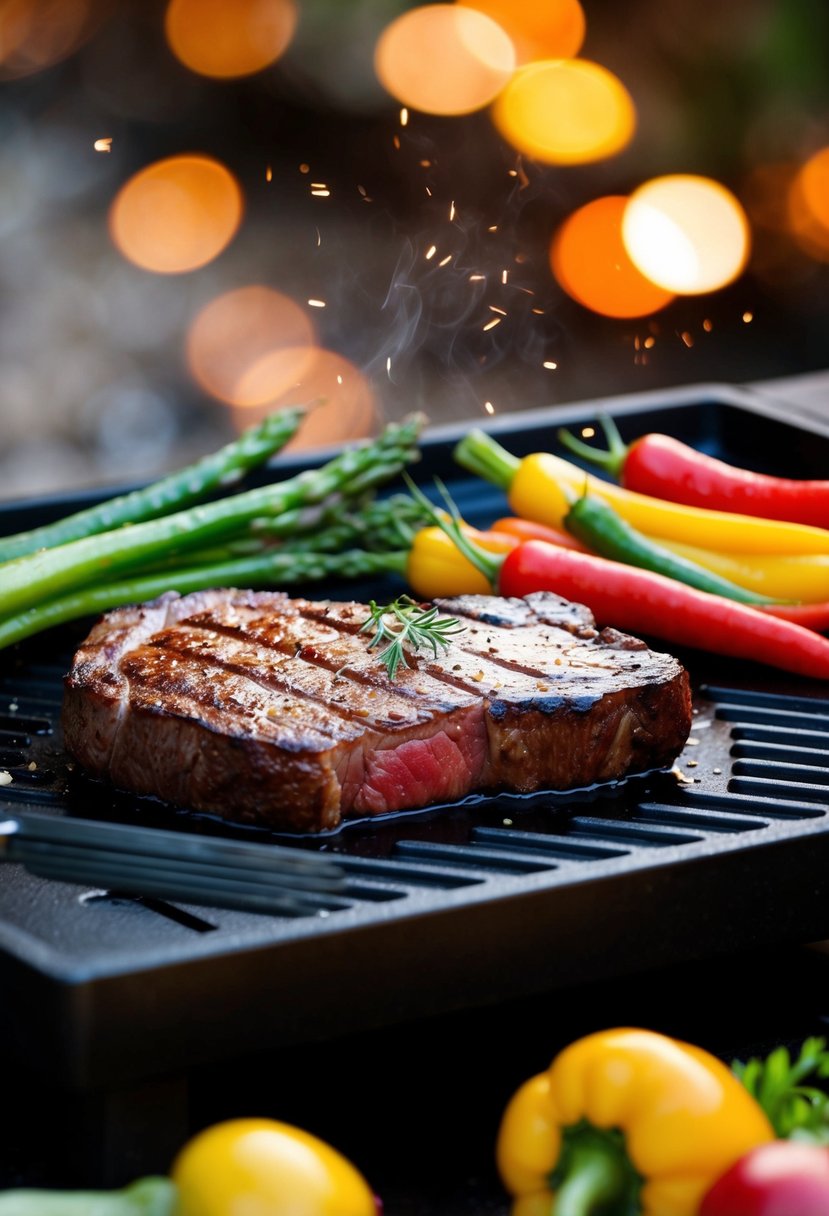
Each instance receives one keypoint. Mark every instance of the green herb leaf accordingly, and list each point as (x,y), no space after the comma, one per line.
(412,625)
(796,1111)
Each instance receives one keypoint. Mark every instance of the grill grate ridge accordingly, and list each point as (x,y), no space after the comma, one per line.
(749,749)
(565,848)
(708,820)
(781,701)
(781,770)
(479,857)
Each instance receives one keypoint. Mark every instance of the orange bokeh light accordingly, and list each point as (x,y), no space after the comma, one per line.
(444,59)
(249,345)
(228,38)
(589,260)
(177,214)
(345,406)
(539,29)
(565,112)
(34,34)
(808,206)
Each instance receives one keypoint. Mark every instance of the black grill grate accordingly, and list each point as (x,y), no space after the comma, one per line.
(443,908)
(751,780)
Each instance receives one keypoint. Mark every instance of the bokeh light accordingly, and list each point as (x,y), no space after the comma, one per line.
(228,38)
(444,59)
(539,29)
(248,346)
(808,206)
(814,182)
(565,112)
(177,214)
(688,234)
(34,34)
(344,406)
(590,262)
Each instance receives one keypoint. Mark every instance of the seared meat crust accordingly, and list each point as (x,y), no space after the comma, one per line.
(270,710)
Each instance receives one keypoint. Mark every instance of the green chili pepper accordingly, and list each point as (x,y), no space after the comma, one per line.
(603,530)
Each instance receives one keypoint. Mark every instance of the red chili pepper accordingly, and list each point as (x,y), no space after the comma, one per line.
(810,616)
(782,1178)
(527,529)
(663,467)
(640,601)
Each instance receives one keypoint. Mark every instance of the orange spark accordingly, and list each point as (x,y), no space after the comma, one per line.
(103,145)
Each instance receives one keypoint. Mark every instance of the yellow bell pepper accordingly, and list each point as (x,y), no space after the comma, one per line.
(625,1121)
(258,1167)
(541,487)
(435,567)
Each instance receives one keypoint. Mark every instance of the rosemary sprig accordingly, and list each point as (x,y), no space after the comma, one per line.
(413,625)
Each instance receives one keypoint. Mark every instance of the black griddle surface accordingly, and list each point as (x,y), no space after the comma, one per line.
(449,907)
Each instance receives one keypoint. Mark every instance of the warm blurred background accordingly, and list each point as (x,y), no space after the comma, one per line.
(210,207)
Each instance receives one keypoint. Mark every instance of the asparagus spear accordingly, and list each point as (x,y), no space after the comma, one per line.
(384,524)
(378,526)
(373,541)
(217,471)
(147,1197)
(45,575)
(275,568)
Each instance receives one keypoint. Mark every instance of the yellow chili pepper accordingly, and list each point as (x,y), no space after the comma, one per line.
(625,1121)
(801,577)
(541,487)
(435,567)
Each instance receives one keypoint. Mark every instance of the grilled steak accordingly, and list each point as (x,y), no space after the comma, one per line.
(270,710)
